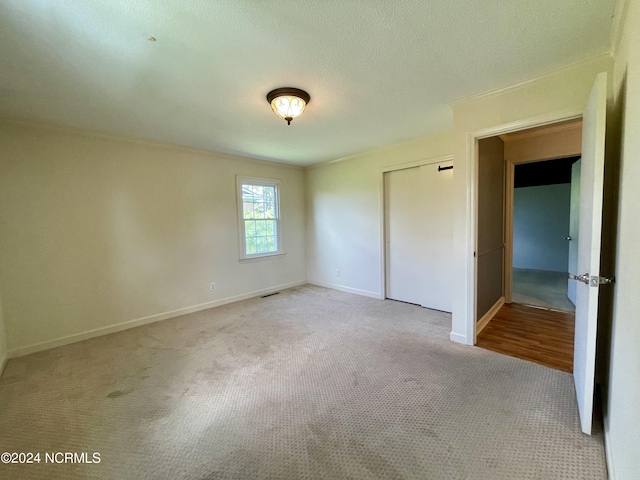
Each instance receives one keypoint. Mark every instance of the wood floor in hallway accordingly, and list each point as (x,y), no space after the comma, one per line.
(534,334)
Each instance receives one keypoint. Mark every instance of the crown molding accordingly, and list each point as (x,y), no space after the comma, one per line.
(573,124)
(27,123)
(603,60)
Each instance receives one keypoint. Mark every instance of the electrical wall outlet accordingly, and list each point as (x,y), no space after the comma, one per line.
(212,286)
(337,272)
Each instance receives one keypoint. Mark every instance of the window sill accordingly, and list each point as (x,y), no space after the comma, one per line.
(262,257)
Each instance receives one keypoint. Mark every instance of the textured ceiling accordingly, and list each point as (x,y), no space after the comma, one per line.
(378,71)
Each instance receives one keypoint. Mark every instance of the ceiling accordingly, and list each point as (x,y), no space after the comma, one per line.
(378,71)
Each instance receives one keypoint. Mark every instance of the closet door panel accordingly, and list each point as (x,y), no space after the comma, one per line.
(419,235)
(438,236)
(404,236)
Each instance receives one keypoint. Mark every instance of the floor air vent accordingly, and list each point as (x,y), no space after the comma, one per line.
(270,294)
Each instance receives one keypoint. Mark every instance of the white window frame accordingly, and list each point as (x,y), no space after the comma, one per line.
(267,182)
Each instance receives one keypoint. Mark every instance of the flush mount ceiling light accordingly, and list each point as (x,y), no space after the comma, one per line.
(288,102)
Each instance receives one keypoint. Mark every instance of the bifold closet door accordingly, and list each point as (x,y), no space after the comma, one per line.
(405,232)
(438,236)
(419,235)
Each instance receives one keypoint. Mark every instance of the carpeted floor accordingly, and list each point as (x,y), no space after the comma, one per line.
(310,383)
(541,288)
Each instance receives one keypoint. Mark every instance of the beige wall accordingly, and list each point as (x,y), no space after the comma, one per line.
(556,96)
(563,141)
(344,215)
(3,341)
(98,231)
(622,411)
(490,247)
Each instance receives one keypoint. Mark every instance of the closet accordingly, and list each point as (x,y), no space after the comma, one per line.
(419,235)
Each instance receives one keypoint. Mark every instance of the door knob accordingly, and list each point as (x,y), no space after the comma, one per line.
(568,237)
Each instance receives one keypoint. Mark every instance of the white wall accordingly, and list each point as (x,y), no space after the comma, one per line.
(344,214)
(552,97)
(540,227)
(622,411)
(98,231)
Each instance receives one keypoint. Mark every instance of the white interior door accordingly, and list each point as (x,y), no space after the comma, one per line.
(591,197)
(419,233)
(574,223)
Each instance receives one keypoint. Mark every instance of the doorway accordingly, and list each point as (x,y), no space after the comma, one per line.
(588,284)
(524,193)
(544,197)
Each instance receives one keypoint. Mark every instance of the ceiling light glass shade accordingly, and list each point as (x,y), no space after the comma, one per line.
(288,103)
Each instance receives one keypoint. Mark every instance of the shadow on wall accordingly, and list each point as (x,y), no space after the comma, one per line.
(540,227)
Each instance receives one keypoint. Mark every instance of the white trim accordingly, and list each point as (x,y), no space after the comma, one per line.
(258,160)
(382,229)
(457,338)
(598,59)
(551,129)
(97,332)
(260,258)
(525,123)
(342,288)
(608,450)
(472,214)
(508,230)
(417,163)
(487,317)
(472,240)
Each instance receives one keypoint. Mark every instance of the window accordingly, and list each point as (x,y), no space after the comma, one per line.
(259,209)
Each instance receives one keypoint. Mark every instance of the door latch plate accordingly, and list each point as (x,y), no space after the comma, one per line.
(596,281)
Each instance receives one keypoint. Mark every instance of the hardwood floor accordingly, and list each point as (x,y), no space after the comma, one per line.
(534,334)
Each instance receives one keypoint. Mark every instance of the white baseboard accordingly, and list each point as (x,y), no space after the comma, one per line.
(487,317)
(607,448)
(78,337)
(456,337)
(342,288)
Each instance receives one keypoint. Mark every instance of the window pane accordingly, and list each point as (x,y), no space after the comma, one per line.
(271,244)
(248,193)
(269,211)
(270,227)
(251,246)
(250,228)
(261,228)
(247,209)
(261,243)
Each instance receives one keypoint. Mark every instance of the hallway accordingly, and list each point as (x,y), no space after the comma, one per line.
(534,334)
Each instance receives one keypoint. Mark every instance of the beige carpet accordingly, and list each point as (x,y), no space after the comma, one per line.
(542,289)
(310,383)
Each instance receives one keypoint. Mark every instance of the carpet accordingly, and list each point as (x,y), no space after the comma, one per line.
(542,289)
(308,384)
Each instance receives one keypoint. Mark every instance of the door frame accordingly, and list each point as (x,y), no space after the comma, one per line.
(382,208)
(472,203)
